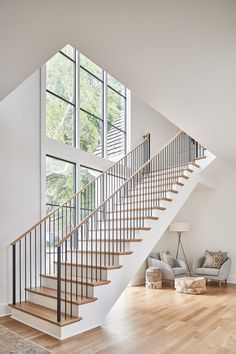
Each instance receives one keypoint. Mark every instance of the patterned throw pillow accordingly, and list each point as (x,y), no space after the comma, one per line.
(213,259)
(167,258)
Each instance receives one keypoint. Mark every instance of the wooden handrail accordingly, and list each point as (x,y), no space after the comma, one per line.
(111,196)
(145,137)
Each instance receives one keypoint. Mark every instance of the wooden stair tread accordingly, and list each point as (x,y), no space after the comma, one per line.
(83,281)
(52,293)
(152,193)
(145,180)
(158,185)
(142,202)
(44,313)
(116,240)
(144,228)
(137,209)
(102,267)
(156,178)
(128,219)
(167,173)
(167,199)
(199,158)
(195,164)
(170,170)
(118,253)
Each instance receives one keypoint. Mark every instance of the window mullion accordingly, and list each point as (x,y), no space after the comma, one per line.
(104,140)
(77,99)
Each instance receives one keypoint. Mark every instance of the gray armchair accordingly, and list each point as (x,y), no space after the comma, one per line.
(213,274)
(168,273)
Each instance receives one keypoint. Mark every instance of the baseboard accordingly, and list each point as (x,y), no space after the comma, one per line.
(4,309)
(232,279)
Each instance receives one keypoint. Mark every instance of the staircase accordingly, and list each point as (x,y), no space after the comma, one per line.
(71,267)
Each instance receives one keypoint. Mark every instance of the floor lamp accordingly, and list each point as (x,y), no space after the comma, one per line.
(180,227)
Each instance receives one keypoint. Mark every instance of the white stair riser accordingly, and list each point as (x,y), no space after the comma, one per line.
(83,271)
(136,198)
(153,188)
(160,172)
(90,258)
(121,223)
(52,303)
(81,288)
(107,246)
(136,213)
(157,183)
(143,204)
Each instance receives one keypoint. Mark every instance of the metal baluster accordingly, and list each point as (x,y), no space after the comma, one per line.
(71,273)
(25,265)
(35,255)
(30,261)
(20,269)
(14,274)
(59,284)
(40,254)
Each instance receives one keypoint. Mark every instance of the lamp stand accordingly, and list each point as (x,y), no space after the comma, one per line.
(177,252)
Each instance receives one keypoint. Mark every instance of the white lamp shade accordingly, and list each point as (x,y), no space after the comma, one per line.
(179,227)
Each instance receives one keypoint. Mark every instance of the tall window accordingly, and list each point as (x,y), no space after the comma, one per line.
(91,107)
(86,109)
(77,87)
(91,199)
(116,117)
(60,181)
(60,96)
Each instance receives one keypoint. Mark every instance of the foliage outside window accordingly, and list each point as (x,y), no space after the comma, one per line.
(81,100)
(100,103)
(60,181)
(90,200)
(60,97)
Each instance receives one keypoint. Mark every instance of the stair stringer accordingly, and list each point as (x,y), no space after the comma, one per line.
(93,314)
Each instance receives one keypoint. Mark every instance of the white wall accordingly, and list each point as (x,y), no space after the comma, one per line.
(20,172)
(145,119)
(179,56)
(20,163)
(211,215)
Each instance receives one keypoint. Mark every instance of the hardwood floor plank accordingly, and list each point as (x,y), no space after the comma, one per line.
(154,321)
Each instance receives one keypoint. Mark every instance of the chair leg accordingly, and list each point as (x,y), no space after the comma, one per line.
(220,283)
(225,281)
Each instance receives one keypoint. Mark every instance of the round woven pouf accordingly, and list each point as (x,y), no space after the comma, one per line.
(153,278)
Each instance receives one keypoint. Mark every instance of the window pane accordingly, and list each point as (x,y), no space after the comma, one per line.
(59,119)
(115,110)
(69,51)
(90,93)
(90,133)
(115,143)
(89,198)
(90,66)
(87,175)
(60,76)
(60,181)
(111,81)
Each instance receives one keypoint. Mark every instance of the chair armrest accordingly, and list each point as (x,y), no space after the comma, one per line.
(198,263)
(167,271)
(225,269)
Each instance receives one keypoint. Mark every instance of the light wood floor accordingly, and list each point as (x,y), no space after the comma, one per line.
(154,321)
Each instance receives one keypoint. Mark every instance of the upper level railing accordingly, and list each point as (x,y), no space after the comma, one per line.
(34,251)
(99,239)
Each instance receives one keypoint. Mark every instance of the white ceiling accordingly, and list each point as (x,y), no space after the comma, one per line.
(179,56)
